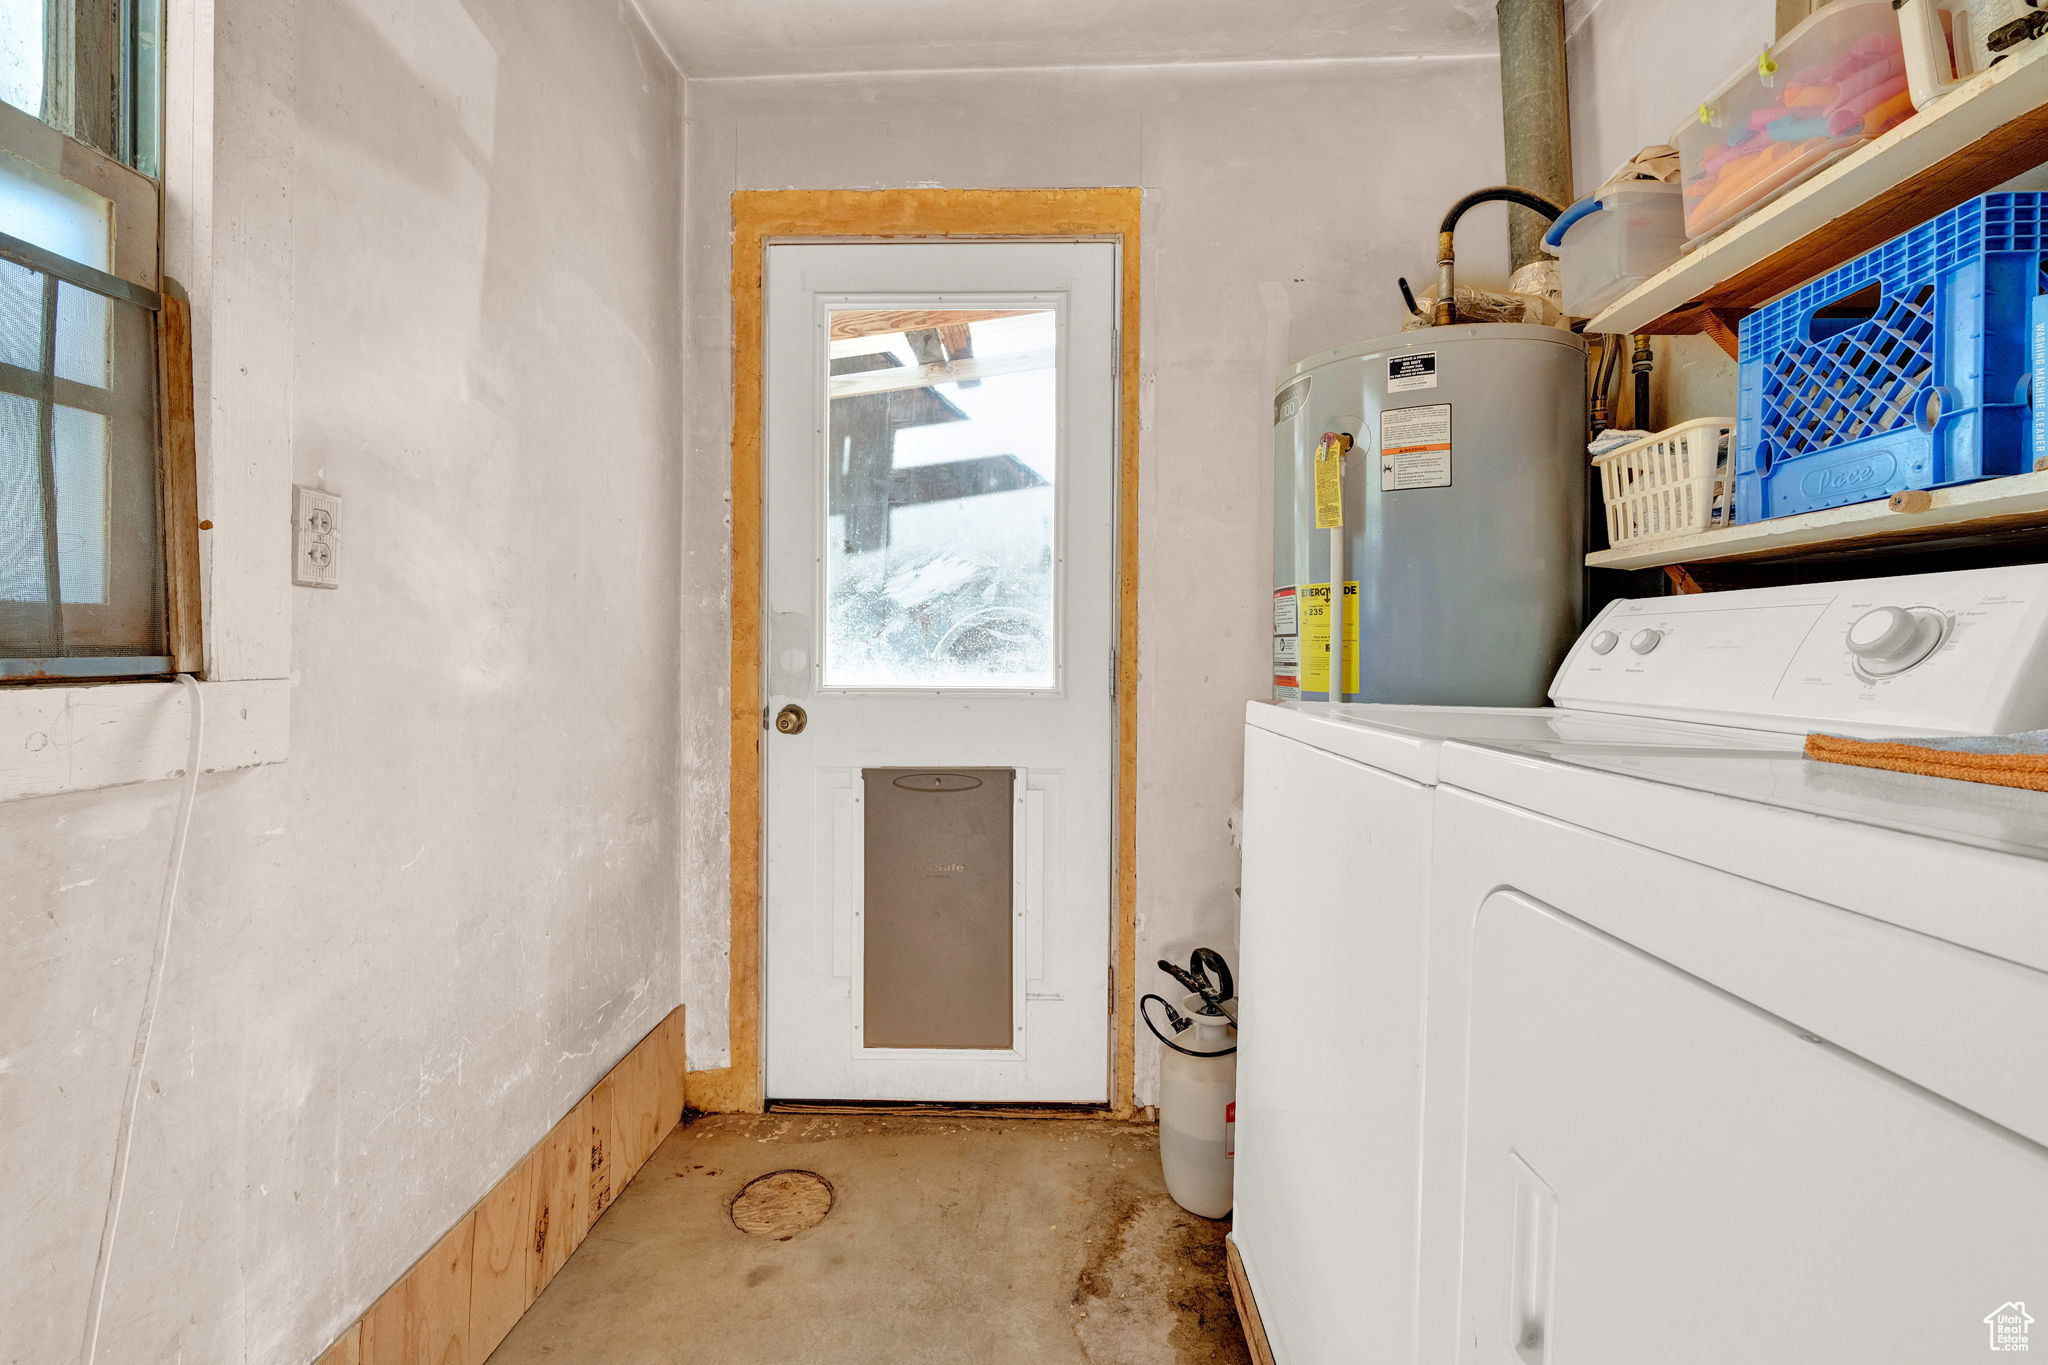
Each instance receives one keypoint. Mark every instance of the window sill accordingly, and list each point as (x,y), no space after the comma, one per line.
(81,738)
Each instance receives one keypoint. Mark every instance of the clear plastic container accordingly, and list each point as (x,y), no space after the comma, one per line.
(1610,242)
(1834,82)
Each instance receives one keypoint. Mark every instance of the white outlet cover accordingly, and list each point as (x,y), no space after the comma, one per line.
(316,538)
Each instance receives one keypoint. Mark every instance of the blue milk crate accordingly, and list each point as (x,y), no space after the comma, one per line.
(1907,368)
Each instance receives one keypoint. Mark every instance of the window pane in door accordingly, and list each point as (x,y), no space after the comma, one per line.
(940,535)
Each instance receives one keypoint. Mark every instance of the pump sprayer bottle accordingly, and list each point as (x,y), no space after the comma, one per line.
(1198,1085)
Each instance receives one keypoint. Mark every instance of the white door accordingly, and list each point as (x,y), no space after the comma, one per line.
(939,625)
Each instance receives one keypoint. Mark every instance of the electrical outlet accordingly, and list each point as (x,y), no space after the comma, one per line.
(316,538)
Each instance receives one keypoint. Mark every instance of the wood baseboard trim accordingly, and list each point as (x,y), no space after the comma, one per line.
(1247,1306)
(458,1302)
(726,1090)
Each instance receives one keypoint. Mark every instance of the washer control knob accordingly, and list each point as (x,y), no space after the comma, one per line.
(1646,640)
(1604,642)
(1888,640)
(1883,635)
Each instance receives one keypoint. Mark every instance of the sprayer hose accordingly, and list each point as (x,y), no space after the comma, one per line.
(1146,1015)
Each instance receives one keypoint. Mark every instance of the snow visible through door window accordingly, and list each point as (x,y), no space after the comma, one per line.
(940,544)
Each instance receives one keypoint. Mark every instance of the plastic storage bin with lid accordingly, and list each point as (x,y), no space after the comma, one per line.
(1836,81)
(1610,242)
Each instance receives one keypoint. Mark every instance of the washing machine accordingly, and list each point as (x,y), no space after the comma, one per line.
(1733,1055)
(1520,991)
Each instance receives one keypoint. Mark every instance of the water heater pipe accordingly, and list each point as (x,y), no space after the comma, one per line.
(1536,118)
(1446,235)
(1337,660)
(1641,361)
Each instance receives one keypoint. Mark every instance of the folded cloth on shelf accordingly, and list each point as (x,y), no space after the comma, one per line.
(1658,163)
(1607,440)
(2003,760)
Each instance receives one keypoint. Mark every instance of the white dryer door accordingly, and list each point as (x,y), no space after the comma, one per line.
(1656,1171)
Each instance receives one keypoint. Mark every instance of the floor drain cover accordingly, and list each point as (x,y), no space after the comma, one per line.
(781,1203)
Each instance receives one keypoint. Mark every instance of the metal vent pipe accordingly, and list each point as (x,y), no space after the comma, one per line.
(1535,115)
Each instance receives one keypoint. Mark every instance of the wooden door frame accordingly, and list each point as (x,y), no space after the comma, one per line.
(761,217)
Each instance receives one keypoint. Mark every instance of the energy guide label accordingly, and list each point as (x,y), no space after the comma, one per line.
(1415,448)
(1302,659)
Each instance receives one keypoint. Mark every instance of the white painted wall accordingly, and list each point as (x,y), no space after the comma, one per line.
(1280,204)
(403,953)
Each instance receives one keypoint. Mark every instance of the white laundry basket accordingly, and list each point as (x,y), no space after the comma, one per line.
(1676,483)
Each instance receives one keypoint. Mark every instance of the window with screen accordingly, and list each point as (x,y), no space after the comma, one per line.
(98,554)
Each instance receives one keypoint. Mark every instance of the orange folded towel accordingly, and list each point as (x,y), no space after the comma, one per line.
(2005,761)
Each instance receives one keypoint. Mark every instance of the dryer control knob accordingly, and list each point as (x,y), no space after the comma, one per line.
(1646,640)
(1604,642)
(1889,640)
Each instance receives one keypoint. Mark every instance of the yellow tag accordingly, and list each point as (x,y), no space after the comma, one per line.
(1330,480)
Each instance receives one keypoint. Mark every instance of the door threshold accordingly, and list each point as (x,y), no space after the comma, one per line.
(939,1109)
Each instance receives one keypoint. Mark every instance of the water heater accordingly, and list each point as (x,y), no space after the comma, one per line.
(1462,498)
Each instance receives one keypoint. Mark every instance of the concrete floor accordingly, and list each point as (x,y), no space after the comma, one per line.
(951,1240)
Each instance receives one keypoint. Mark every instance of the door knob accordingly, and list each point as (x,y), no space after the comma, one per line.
(790,720)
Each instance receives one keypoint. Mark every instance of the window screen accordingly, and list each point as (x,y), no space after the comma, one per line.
(81,559)
(84,465)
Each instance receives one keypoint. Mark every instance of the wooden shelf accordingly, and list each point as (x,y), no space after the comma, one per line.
(1959,515)
(1981,136)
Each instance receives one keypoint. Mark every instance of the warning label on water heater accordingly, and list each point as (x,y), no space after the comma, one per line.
(1415,448)
(1286,612)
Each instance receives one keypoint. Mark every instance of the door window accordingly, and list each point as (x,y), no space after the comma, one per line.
(941,507)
